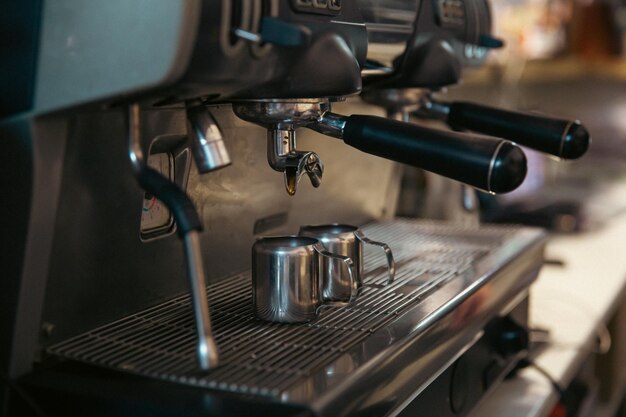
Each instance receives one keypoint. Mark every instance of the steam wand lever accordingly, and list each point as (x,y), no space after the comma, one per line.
(189,226)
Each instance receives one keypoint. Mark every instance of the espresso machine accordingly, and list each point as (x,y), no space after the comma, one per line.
(417,81)
(150,143)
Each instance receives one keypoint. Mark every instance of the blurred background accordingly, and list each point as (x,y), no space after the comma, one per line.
(564,57)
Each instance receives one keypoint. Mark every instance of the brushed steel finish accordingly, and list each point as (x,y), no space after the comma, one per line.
(345,240)
(100,197)
(288,273)
(370,357)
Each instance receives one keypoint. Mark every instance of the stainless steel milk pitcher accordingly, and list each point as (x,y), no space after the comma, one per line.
(346,240)
(288,274)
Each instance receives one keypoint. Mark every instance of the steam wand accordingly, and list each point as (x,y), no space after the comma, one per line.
(189,226)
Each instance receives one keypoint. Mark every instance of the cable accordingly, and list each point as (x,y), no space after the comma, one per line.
(528,363)
(24,395)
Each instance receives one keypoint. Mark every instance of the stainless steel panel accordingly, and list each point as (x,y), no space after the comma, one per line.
(92,51)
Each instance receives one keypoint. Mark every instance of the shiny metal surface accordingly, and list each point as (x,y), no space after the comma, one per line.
(207,143)
(282,113)
(345,240)
(439,194)
(469,199)
(283,157)
(492,165)
(391,263)
(288,273)
(281,118)
(389,27)
(135,153)
(236,204)
(330,124)
(366,359)
(435,108)
(206,348)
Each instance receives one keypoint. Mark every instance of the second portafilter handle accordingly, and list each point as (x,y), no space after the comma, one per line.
(567,139)
(494,165)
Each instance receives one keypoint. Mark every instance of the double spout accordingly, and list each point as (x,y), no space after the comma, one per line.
(281,119)
(283,156)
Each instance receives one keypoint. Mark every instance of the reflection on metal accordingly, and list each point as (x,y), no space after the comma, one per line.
(450,282)
(207,143)
(281,119)
(287,278)
(283,157)
(135,153)
(206,349)
(346,240)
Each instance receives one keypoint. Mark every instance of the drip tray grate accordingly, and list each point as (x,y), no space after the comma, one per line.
(264,358)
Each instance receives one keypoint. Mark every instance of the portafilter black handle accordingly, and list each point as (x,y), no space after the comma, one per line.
(491,164)
(566,139)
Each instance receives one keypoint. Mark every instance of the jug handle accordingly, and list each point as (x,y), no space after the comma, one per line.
(347,262)
(391,263)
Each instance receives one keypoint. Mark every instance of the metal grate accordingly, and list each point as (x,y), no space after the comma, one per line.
(267,358)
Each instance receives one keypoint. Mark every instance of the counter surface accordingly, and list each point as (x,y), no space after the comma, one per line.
(573,301)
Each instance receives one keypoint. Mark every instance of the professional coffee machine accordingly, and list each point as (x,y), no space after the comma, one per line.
(415,87)
(134,122)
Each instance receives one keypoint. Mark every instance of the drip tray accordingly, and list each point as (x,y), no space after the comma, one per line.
(441,269)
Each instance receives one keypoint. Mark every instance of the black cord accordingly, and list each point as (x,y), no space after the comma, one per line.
(24,395)
(528,363)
